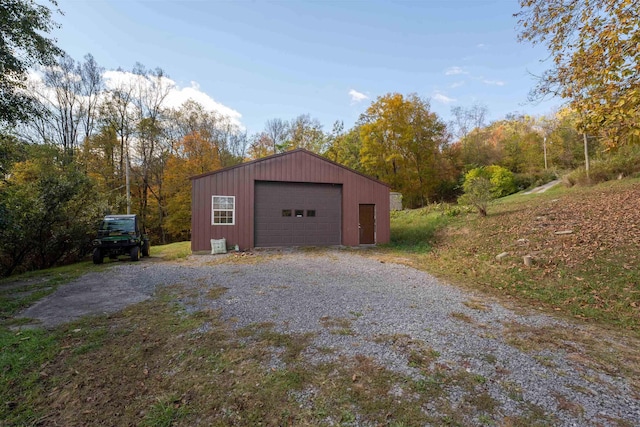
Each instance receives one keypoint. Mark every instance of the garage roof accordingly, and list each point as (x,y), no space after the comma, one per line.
(286,153)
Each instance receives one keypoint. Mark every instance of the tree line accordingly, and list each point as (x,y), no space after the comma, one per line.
(94,149)
(81,141)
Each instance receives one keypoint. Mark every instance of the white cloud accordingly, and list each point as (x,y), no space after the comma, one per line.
(456,84)
(455,71)
(493,82)
(481,46)
(177,95)
(443,98)
(113,79)
(357,96)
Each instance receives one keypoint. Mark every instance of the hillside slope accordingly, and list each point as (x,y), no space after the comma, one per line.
(584,245)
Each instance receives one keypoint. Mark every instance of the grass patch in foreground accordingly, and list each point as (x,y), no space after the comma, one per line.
(156,364)
(172,251)
(22,355)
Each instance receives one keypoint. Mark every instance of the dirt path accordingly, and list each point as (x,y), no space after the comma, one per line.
(93,294)
(543,188)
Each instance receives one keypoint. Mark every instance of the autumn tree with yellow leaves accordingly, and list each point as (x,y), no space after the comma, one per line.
(595,49)
(402,145)
(195,154)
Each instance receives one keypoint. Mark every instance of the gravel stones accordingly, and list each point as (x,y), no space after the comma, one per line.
(356,305)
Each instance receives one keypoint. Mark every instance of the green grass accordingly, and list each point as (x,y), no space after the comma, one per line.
(415,230)
(165,413)
(22,354)
(172,251)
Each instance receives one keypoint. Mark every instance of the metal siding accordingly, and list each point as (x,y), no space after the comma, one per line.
(205,213)
(241,206)
(289,168)
(249,187)
(276,170)
(245,212)
(194,213)
(202,210)
(297,166)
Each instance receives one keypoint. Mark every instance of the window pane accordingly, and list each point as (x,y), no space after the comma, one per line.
(223,209)
(286,212)
(227,203)
(222,202)
(299,213)
(223,217)
(311,213)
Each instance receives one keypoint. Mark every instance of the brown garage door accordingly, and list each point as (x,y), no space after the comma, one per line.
(297,214)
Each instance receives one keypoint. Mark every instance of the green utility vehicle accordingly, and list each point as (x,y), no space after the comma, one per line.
(120,235)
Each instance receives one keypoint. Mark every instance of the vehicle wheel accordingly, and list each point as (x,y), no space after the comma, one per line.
(97,256)
(145,247)
(135,253)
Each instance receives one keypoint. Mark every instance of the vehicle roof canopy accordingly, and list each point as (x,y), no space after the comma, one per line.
(108,217)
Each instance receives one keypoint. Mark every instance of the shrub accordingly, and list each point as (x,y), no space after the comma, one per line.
(524,181)
(483,184)
(502,181)
(477,193)
(48,209)
(623,162)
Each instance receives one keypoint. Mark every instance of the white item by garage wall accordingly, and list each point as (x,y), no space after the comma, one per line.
(218,246)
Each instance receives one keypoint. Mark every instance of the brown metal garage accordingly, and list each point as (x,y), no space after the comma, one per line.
(296,198)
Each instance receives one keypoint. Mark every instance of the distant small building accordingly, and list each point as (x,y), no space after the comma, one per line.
(296,198)
(395,201)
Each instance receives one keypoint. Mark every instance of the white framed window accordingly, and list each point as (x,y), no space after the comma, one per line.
(223,210)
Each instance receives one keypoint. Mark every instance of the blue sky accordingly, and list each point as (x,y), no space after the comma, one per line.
(329,59)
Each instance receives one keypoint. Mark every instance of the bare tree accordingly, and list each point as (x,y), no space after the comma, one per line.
(66,107)
(306,132)
(151,88)
(277,130)
(231,142)
(465,120)
(467,127)
(68,95)
(224,137)
(92,86)
(117,113)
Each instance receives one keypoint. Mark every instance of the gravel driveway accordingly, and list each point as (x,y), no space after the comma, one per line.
(378,304)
